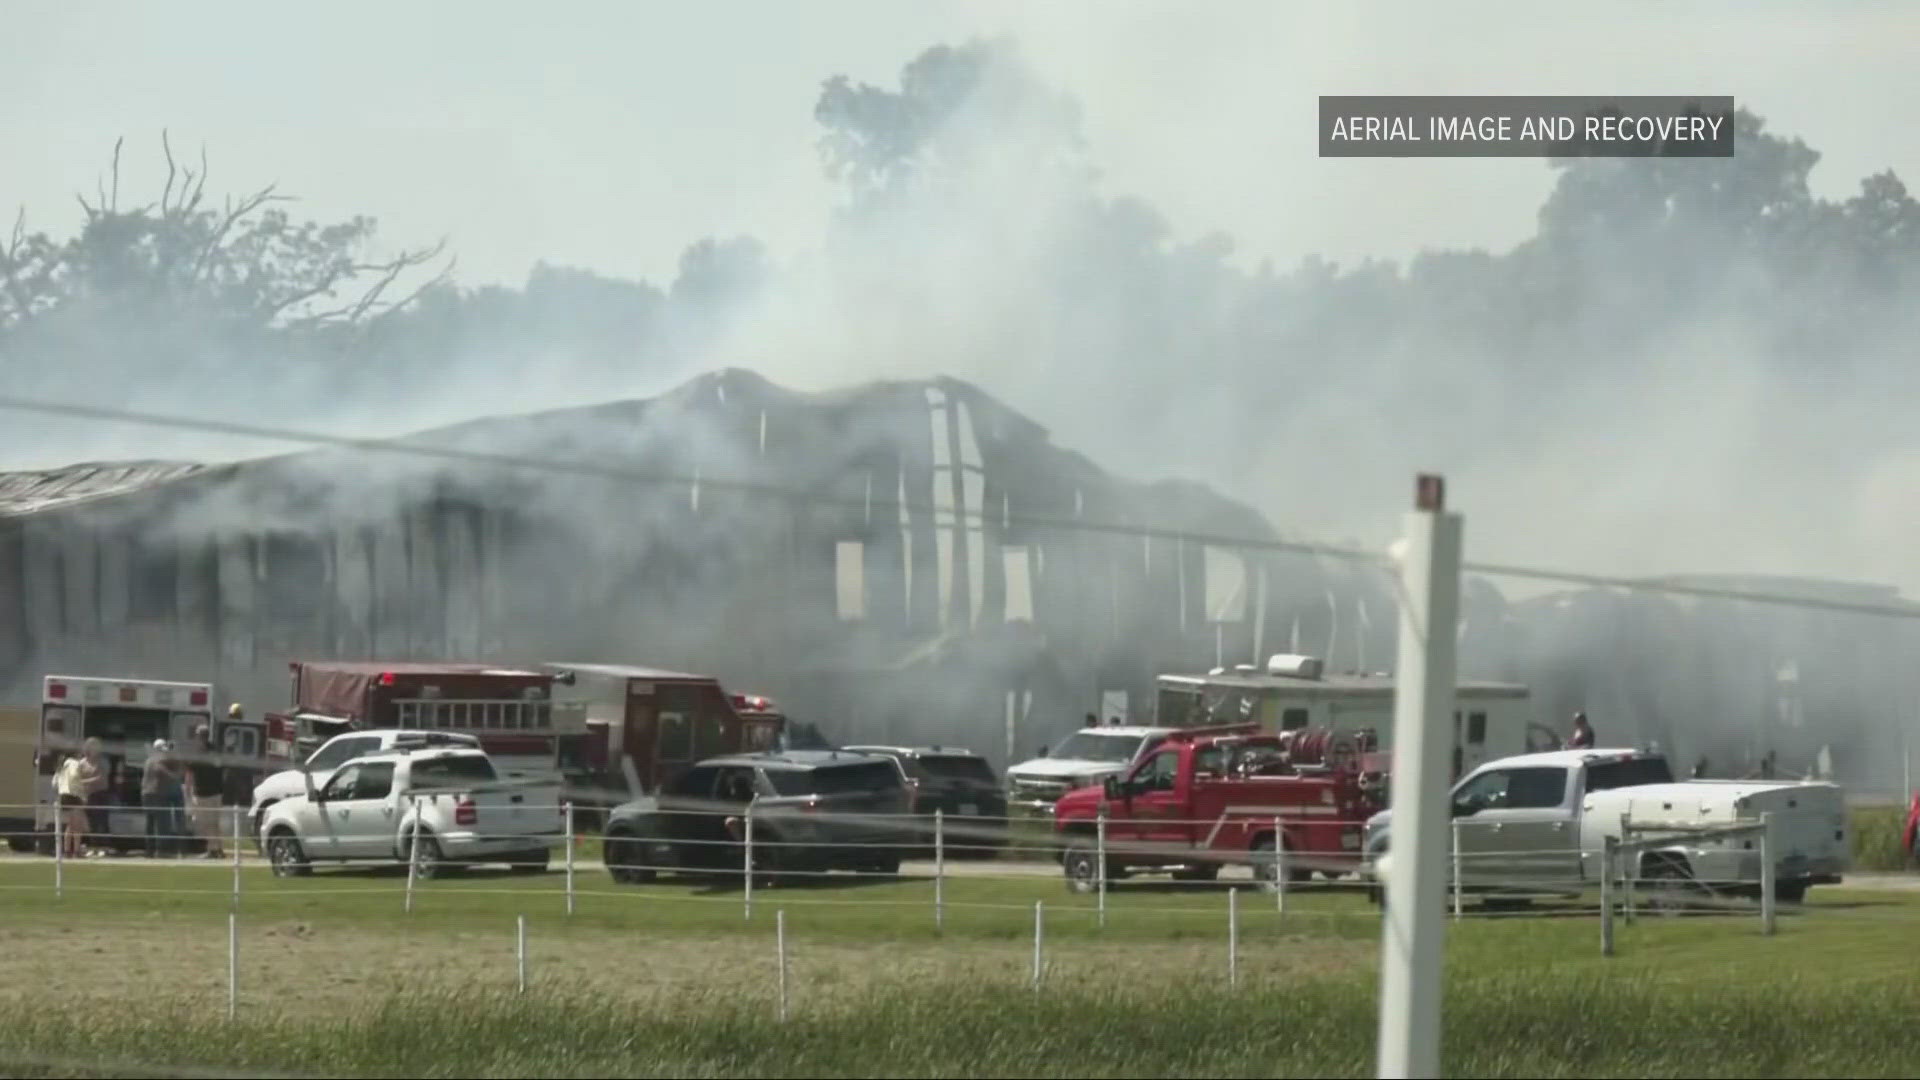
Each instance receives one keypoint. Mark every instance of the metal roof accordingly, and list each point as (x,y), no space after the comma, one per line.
(33,491)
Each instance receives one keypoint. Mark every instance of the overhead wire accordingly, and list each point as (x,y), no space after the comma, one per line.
(412,446)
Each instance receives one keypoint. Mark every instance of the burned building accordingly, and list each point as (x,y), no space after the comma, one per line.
(903,561)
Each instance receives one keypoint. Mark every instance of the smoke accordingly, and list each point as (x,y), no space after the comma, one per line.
(1689,366)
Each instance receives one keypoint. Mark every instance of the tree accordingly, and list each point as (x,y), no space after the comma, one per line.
(243,266)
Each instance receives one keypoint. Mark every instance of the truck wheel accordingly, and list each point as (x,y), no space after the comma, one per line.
(626,858)
(1671,882)
(1790,892)
(286,856)
(1266,867)
(428,862)
(1082,867)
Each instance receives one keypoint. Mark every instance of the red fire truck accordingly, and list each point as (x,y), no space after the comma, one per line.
(641,726)
(509,710)
(1205,797)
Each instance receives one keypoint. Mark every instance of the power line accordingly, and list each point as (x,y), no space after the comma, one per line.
(623,474)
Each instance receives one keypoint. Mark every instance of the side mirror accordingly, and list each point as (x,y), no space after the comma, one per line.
(1466,808)
(1112,786)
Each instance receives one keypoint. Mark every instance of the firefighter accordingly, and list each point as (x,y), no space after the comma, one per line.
(1582,737)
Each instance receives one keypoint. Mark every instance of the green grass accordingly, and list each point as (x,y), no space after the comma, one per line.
(675,980)
(1876,839)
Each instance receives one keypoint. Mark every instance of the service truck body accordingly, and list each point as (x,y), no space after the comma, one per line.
(1490,719)
(1206,797)
(1538,823)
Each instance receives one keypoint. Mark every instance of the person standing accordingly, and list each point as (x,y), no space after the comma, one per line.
(206,787)
(68,789)
(162,791)
(1582,737)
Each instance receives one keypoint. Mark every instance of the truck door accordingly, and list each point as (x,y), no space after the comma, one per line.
(320,820)
(1156,803)
(363,811)
(1515,828)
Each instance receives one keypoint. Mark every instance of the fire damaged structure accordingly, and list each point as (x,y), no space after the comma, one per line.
(902,562)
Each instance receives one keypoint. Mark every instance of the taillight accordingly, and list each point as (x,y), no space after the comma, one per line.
(198,697)
(465,813)
(57,690)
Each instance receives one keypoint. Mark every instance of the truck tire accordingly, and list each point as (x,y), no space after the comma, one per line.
(286,856)
(1081,864)
(1265,866)
(428,860)
(1671,881)
(625,858)
(1790,892)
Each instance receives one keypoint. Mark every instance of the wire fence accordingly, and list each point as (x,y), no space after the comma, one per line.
(799,854)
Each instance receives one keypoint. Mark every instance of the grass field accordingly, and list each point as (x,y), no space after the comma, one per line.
(676,980)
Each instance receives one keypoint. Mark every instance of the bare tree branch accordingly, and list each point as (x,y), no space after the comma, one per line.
(193,202)
(234,212)
(113,206)
(166,193)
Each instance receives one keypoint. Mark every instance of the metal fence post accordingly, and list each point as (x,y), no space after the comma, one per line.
(1457,891)
(746,864)
(413,852)
(1100,860)
(780,946)
(59,850)
(1280,873)
(239,814)
(1767,874)
(1233,937)
(1039,930)
(1629,861)
(939,868)
(1607,849)
(233,964)
(572,840)
(520,949)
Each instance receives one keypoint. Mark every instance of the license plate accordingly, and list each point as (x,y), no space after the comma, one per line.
(971,809)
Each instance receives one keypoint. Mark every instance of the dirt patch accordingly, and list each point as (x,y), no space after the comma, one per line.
(288,963)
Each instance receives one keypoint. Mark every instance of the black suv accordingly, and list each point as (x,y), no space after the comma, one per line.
(962,786)
(813,810)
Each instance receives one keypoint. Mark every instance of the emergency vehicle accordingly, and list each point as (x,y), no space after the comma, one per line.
(1491,720)
(641,726)
(510,710)
(127,716)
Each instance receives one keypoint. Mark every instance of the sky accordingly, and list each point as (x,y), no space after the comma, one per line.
(611,135)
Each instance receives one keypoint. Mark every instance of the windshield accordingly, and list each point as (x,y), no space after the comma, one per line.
(454,771)
(955,767)
(1630,773)
(1093,746)
(836,779)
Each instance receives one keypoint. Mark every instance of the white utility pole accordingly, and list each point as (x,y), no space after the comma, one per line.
(1415,928)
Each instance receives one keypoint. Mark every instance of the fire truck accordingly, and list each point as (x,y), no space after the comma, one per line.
(509,710)
(128,716)
(1491,720)
(640,726)
(1296,802)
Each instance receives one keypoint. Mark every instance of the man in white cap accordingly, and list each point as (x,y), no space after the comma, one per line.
(162,796)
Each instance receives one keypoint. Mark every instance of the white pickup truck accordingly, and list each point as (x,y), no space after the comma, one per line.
(370,808)
(1538,823)
(336,752)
